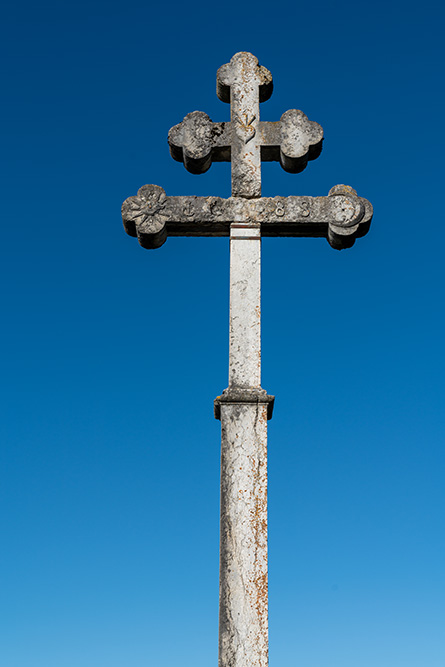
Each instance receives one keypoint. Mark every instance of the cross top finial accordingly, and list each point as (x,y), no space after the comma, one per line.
(245,141)
(244,70)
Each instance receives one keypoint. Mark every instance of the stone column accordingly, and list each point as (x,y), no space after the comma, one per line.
(245,306)
(244,409)
(243,620)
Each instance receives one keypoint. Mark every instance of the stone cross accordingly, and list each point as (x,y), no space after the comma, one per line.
(244,407)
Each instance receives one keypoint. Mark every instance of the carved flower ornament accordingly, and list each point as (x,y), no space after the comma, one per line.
(352,217)
(145,215)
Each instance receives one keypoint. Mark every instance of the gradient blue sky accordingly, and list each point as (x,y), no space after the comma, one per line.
(112,355)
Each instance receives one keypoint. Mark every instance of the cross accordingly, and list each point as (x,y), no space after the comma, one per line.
(244,407)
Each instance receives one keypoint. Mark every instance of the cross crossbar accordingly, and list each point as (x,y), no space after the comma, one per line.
(341,217)
(292,141)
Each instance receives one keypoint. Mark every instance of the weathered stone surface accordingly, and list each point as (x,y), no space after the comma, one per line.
(242,395)
(243,69)
(300,140)
(243,617)
(292,141)
(341,217)
(345,228)
(243,410)
(245,140)
(243,82)
(245,305)
(145,215)
(197,141)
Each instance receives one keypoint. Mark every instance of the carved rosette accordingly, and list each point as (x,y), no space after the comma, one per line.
(352,217)
(145,216)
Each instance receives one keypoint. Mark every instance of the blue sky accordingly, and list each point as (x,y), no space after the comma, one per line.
(112,355)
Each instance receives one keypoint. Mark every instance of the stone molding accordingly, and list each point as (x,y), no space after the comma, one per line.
(243,396)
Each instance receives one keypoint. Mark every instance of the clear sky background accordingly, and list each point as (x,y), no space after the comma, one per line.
(112,355)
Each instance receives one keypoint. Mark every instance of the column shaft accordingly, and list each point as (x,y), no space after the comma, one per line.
(245,306)
(243,617)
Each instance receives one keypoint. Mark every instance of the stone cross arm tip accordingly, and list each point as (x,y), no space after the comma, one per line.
(341,217)
(243,70)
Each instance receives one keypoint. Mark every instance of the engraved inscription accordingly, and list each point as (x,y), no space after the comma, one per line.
(188,210)
(260,211)
(216,208)
(305,209)
(279,210)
